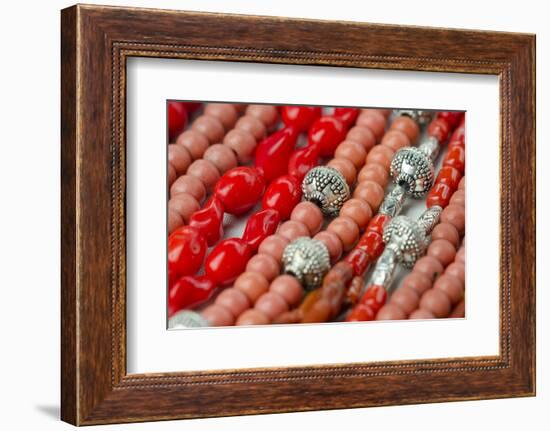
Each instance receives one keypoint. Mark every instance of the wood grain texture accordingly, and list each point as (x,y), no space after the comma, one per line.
(96,41)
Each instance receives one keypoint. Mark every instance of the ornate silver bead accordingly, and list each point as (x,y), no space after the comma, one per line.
(421,117)
(308,260)
(187,319)
(326,188)
(407,238)
(413,170)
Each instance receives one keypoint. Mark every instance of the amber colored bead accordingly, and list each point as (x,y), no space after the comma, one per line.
(377,223)
(372,243)
(439,195)
(359,259)
(449,176)
(456,157)
(439,128)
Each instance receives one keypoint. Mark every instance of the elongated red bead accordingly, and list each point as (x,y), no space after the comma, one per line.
(449,176)
(361,313)
(177,119)
(327,132)
(188,292)
(372,243)
(273,153)
(302,161)
(259,226)
(239,189)
(347,115)
(374,296)
(453,118)
(439,195)
(359,260)
(209,221)
(377,223)
(186,250)
(439,128)
(283,195)
(227,261)
(455,157)
(300,117)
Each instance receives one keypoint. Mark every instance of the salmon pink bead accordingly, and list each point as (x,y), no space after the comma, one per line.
(408,126)
(292,229)
(370,192)
(451,286)
(332,242)
(185,204)
(242,143)
(406,299)
(210,127)
(458,198)
(225,112)
(345,167)
(204,171)
(421,314)
(442,250)
(218,315)
(391,312)
(194,142)
(267,114)
(174,220)
(309,214)
(274,246)
(362,135)
(253,126)
(271,304)
(462,184)
(179,157)
(417,281)
(446,231)
(373,120)
(233,300)
(381,155)
(395,139)
(171,174)
(252,317)
(437,302)
(352,151)
(264,264)
(429,266)
(188,184)
(457,270)
(455,215)
(358,210)
(221,156)
(252,284)
(289,288)
(346,229)
(374,172)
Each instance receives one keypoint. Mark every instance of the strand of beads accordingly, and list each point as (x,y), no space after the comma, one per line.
(322,304)
(409,238)
(199,160)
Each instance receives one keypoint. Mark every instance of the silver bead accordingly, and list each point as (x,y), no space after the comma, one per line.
(413,170)
(421,117)
(326,188)
(308,260)
(393,201)
(407,238)
(187,319)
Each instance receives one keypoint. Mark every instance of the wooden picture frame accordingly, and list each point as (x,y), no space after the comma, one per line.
(96,41)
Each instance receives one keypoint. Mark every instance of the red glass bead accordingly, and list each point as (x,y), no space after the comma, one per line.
(239,189)
(377,223)
(439,195)
(359,260)
(452,118)
(177,119)
(273,153)
(302,160)
(327,132)
(439,129)
(188,292)
(374,296)
(227,261)
(372,243)
(347,115)
(259,226)
(455,157)
(449,176)
(186,250)
(361,313)
(283,195)
(209,221)
(300,117)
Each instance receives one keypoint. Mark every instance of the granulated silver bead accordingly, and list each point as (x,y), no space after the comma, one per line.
(406,238)
(187,319)
(326,188)
(412,169)
(308,260)
(419,116)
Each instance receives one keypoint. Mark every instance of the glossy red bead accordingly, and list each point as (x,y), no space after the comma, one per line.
(327,132)
(259,226)
(186,250)
(361,313)
(359,260)
(449,176)
(460,132)
(374,296)
(188,292)
(300,117)
(177,119)
(372,243)
(377,223)
(302,160)
(227,261)
(209,221)
(439,128)
(239,189)
(439,195)
(273,153)
(347,115)
(452,118)
(456,158)
(283,195)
